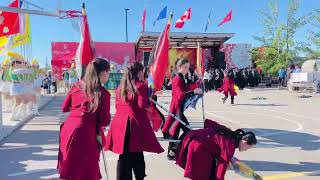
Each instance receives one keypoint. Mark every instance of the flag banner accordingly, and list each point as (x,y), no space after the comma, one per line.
(162,14)
(3,42)
(154,117)
(160,60)
(208,22)
(226,19)
(85,52)
(243,169)
(24,36)
(193,100)
(9,22)
(144,19)
(180,22)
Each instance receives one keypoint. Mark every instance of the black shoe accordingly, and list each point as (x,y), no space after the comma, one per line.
(166,136)
(224,100)
(171,155)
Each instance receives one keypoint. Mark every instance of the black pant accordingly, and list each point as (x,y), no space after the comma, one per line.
(281,82)
(206,85)
(129,161)
(232,98)
(172,145)
(213,170)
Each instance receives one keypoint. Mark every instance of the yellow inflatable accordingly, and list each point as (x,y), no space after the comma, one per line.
(236,88)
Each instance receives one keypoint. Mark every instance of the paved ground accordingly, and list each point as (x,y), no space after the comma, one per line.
(288,128)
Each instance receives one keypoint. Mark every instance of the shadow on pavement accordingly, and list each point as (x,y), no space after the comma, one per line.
(31,153)
(261,105)
(281,138)
(277,166)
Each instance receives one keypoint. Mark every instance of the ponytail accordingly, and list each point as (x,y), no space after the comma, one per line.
(127,85)
(92,81)
(238,135)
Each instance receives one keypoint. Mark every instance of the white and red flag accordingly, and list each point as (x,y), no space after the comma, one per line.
(183,18)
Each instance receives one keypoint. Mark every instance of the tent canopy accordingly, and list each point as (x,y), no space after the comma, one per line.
(311,66)
(184,39)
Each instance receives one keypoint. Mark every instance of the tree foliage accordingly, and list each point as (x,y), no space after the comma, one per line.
(278,38)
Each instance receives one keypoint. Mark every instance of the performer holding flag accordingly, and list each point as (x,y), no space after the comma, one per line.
(205,154)
(180,92)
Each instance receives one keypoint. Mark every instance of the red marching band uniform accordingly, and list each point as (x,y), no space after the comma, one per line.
(228,87)
(133,110)
(180,92)
(203,152)
(77,160)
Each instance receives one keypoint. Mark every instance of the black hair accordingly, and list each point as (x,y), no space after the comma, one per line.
(238,135)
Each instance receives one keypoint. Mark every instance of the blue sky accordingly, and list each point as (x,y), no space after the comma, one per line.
(107,19)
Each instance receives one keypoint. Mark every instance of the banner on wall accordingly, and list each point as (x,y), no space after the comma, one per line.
(237,55)
(118,54)
(180,53)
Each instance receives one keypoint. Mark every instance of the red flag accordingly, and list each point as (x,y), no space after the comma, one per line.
(227,18)
(144,19)
(85,52)
(9,22)
(160,63)
(183,18)
(154,117)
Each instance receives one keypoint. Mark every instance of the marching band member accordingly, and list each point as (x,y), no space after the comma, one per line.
(130,133)
(89,106)
(205,154)
(228,86)
(180,92)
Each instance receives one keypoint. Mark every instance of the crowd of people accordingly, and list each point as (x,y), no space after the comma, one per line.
(213,78)
(204,154)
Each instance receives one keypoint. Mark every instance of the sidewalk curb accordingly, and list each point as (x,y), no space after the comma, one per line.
(21,123)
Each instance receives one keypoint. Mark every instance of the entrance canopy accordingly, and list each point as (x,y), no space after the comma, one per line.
(184,39)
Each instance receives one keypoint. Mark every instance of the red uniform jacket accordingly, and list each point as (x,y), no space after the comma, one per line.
(79,150)
(142,137)
(228,87)
(179,90)
(200,148)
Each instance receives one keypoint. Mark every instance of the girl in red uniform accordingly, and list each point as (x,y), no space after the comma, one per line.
(89,106)
(131,133)
(205,154)
(228,86)
(181,91)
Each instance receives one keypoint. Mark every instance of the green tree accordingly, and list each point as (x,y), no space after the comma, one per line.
(278,37)
(312,48)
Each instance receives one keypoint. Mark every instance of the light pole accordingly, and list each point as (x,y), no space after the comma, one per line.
(127,24)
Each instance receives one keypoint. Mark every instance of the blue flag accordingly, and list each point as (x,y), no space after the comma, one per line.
(161,15)
(208,22)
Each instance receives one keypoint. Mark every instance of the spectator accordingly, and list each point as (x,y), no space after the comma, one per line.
(282,76)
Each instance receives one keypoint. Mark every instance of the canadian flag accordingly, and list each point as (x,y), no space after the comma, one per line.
(183,18)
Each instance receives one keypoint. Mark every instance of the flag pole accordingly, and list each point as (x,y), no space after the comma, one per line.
(170,114)
(202,78)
